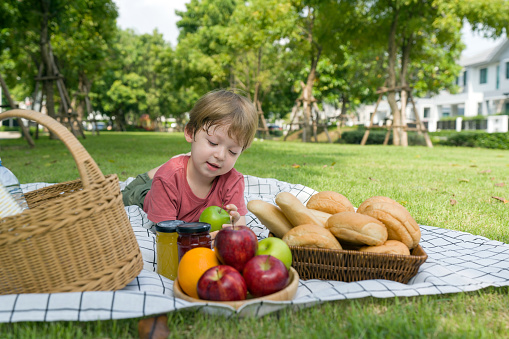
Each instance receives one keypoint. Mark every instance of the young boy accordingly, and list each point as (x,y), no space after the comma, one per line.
(222,125)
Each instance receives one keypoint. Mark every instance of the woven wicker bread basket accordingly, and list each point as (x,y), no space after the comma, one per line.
(74,237)
(351,265)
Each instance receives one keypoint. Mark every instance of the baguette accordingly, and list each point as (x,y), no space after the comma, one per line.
(295,211)
(270,216)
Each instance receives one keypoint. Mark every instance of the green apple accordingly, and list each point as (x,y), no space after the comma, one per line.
(215,216)
(277,248)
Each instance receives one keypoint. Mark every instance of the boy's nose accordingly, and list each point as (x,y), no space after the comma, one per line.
(220,153)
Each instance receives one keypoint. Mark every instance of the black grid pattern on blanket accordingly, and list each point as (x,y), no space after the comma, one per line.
(457,262)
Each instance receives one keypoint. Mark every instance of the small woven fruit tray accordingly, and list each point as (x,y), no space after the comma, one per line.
(286,294)
(352,265)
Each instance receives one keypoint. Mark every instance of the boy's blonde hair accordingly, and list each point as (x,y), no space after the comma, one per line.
(225,108)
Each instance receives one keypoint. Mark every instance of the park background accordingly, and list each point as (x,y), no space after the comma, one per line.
(132,74)
(323,55)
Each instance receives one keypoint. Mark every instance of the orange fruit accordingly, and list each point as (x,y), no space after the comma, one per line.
(191,267)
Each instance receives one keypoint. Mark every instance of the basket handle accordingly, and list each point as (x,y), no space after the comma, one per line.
(88,169)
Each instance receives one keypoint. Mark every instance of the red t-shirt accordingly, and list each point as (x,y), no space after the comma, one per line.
(171,198)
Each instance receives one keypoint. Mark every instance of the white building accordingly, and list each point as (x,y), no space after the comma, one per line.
(484,90)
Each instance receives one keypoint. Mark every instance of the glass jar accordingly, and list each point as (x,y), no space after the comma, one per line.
(166,247)
(191,235)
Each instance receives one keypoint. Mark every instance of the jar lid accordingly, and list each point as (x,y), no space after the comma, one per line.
(168,226)
(193,227)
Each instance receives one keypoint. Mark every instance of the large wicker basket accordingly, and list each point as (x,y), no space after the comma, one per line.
(74,237)
(351,265)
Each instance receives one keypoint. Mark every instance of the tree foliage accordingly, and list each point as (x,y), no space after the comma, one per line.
(342,51)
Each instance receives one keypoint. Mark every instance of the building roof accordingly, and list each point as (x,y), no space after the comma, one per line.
(485,57)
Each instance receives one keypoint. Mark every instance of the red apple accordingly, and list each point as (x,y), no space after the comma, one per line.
(235,246)
(264,275)
(222,283)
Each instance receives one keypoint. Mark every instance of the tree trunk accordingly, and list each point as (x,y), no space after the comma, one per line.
(307,90)
(262,125)
(307,97)
(80,104)
(48,65)
(391,96)
(342,114)
(315,122)
(45,55)
(120,121)
(405,60)
(24,130)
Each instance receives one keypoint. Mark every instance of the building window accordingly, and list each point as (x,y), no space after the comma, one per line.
(507,70)
(484,76)
(461,110)
(464,78)
(507,108)
(426,112)
(446,111)
(479,108)
(498,76)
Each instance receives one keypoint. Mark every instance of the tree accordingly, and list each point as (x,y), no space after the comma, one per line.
(424,43)
(348,78)
(413,30)
(258,36)
(324,27)
(202,50)
(84,42)
(310,19)
(135,82)
(55,32)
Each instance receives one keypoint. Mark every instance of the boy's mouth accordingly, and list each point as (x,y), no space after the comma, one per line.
(213,166)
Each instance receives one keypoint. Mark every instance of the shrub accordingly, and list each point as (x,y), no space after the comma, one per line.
(10,129)
(377,137)
(483,140)
(276,133)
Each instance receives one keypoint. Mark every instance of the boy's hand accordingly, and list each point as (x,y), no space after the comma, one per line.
(237,219)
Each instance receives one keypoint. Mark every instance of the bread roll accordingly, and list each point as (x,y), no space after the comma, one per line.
(270,216)
(357,228)
(400,224)
(330,202)
(389,247)
(295,211)
(371,200)
(321,216)
(310,235)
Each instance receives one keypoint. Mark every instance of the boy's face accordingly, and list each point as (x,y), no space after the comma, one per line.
(215,154)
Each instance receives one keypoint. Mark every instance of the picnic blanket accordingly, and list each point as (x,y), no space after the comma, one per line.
(457,262)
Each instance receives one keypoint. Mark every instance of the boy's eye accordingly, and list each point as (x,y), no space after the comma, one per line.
(213,144)
(233,153)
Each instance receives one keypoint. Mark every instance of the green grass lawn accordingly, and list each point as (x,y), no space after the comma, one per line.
(445,187)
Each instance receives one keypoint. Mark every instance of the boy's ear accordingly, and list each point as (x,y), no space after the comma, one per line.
(189,134)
